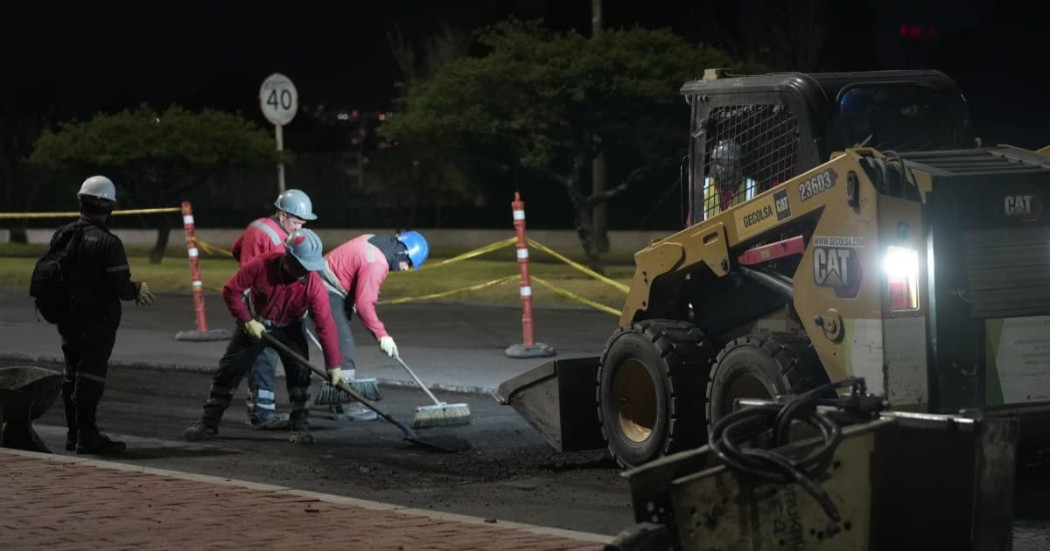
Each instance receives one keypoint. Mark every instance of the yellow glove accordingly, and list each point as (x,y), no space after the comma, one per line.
(336,375)
(144,297)
(386,344)
(255,329)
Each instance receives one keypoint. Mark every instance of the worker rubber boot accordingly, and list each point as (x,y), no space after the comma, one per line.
(354,411)
(272,421)
(96,443)
(200,431)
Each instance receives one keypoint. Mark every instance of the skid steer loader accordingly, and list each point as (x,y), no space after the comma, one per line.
(839,225)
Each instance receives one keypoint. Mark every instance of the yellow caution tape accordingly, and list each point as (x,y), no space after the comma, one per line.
(10,215)
(470,254)
(569,294)
(580,267)
(450,293)
(211,249)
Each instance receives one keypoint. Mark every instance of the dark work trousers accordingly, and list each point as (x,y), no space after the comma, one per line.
(86,346)
(240,354)
(341,316)
(262,402)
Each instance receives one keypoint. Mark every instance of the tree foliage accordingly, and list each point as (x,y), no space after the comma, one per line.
(156,157)
(144,139)
(549,102)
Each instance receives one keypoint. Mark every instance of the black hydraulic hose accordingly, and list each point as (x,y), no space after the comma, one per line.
(749,423)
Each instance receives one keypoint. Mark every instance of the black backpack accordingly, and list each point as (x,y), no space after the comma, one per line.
(52,281)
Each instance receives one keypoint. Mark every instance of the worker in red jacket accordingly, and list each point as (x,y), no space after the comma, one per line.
(353,274)
(281,289)
(265,236)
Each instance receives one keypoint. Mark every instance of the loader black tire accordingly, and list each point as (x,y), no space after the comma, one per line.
(761,366)
(651,390)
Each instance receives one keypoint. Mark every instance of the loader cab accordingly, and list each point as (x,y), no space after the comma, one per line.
(751,133)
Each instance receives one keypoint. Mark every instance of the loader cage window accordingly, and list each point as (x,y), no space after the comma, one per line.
(748,149)
(899,116)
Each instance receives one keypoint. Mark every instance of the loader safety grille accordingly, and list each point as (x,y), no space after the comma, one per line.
(1008,271)
(748,150)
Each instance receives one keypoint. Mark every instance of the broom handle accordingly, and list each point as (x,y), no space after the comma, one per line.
(421,385)
(272,341)
(437,402)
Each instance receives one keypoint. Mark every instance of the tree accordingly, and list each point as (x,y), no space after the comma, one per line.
(155,157)
(549,103)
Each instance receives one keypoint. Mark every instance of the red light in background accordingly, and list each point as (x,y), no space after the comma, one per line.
(916,31)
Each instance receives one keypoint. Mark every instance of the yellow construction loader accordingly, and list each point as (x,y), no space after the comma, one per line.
(839,225)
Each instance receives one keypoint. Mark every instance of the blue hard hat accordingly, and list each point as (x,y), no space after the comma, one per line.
(417,247)
(305,246)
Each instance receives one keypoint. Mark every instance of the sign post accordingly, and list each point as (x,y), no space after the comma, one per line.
(279,101)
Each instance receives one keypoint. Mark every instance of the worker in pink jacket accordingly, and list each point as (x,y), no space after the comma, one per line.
(266,236)
(353,274)
(281,288)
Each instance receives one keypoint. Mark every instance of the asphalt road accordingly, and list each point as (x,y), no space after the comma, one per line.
(509,473)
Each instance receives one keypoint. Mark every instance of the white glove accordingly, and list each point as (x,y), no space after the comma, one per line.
(386,344)
(255,329)
(144,297)
(336,375)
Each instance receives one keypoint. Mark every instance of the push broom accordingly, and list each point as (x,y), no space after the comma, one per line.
(440,414)
(329,395)
(443,443)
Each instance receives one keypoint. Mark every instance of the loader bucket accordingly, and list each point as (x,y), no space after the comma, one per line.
(558,399)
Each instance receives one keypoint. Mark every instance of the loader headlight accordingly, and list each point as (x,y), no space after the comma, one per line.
(902,275)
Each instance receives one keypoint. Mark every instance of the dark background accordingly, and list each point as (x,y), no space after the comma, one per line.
(79,59)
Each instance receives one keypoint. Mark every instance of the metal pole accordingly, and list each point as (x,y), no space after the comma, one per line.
(278,129)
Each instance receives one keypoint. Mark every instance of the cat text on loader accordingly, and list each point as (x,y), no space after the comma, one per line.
(839,225)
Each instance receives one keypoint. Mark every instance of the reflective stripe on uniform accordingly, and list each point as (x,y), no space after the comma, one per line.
(121,268)
(91,377)
(263,227)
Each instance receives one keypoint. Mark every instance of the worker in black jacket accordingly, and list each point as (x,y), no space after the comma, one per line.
(101,280)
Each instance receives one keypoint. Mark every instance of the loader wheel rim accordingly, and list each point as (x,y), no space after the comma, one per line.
(634,395)
(743,386)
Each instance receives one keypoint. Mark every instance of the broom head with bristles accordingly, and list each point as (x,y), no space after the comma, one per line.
(330,395)
(441,415)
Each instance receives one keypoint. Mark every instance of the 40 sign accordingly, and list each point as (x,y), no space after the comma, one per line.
(278,99)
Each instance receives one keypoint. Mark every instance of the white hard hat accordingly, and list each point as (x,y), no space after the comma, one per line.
(296,203)
(98,187)
(726,151)
(305,246)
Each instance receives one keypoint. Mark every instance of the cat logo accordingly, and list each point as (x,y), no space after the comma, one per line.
(838,268)
(1026,208)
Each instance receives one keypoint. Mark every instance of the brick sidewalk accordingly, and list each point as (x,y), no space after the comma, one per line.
(59,502)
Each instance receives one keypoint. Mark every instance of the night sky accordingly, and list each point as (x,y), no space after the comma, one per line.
(82,58)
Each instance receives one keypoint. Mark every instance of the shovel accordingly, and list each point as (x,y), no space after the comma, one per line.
(444,444)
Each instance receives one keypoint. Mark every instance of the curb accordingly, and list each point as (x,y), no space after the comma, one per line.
(393,383)
(329,498)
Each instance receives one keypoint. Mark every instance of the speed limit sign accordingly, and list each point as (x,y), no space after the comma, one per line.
(278,99)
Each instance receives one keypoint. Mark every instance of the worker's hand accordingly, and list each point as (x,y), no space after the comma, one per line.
(335,375)
(255,329)
(386,344)
(144,297)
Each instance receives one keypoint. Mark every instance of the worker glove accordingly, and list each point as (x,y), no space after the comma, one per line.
(386,344)
(144,297)
(335,375)
(255,329)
